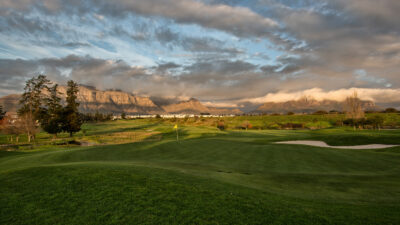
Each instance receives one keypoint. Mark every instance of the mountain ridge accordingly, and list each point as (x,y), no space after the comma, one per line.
(310,105)
(115,101)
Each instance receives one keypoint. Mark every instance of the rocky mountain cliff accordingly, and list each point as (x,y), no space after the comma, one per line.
(92,100)
(309,105)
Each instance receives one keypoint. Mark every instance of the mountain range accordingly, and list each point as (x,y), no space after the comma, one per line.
(116,102)
(310,105)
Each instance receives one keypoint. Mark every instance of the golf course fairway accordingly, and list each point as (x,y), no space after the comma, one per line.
(208,177)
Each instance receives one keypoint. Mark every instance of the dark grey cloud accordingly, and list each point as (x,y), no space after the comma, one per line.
(238,20)
(175,40)
(17,21)
(194,44)
(39,31)
(333,39)
(86,70)
(220,67)
(198,81)
(164,67)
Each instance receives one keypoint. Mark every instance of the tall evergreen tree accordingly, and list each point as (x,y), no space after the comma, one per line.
(33,98)
(71,118)
(52,121)
(32,101)
(2,113)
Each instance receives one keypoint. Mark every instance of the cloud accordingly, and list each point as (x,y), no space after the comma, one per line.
(86,70)
(220,104)
(237,20)
(217,51)
(220,67)
(372,94)
(164,67)
(234,77)
(194,44)
(338,37)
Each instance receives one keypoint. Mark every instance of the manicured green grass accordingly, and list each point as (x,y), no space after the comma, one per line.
(208,177)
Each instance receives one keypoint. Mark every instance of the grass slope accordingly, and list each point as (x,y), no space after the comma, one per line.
(210,177)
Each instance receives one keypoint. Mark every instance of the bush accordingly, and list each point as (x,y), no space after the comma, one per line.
(292,126)
(375,121)
(274,126)
(246,125)
(320,112)
(221,125)
(390,110)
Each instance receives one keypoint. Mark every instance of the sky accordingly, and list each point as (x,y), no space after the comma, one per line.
(225,53)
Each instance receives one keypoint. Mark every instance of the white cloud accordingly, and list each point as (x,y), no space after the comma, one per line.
(373,94)
(220,104)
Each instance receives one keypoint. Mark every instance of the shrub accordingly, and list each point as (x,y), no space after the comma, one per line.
(320,112)
(273,126)
(375,121)
(246,125)
(292,126)
(221,125)
(390,110)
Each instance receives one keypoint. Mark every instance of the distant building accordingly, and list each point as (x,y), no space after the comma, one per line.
(167,116)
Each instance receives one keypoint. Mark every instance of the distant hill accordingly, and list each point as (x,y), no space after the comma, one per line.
(194,106)
(10,103)
(224,111)
(309,105)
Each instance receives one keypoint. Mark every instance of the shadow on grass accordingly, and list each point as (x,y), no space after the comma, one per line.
(125,129)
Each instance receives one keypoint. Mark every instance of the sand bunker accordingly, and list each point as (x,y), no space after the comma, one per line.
(323,144)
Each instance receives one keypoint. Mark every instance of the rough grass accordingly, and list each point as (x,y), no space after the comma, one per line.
(209,177)
(281,121)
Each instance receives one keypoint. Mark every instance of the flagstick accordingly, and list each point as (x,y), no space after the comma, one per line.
(177,135)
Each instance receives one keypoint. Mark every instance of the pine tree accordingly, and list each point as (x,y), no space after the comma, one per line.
(33,98)
(2,113)
(71,118)
(32,102)
(52,121)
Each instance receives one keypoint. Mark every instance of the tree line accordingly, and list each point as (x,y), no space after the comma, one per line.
(41,107)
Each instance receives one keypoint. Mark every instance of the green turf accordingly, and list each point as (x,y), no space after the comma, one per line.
(209,177)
